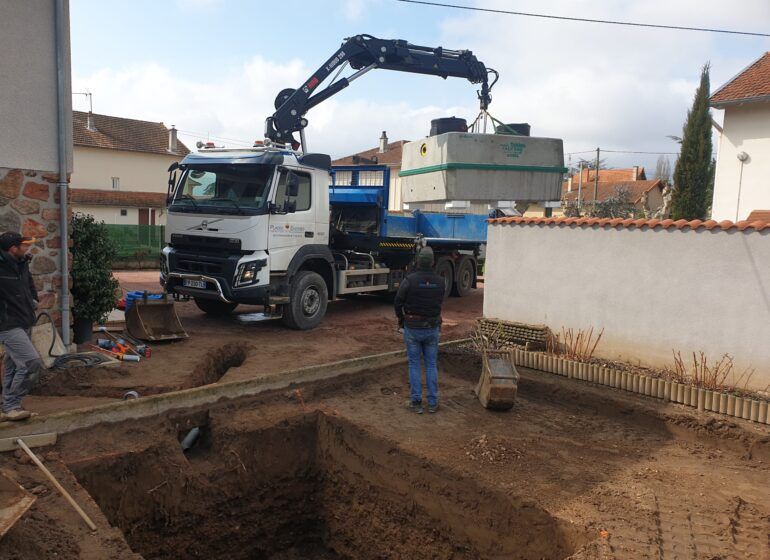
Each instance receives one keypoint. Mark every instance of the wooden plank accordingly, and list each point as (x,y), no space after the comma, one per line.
(32,440)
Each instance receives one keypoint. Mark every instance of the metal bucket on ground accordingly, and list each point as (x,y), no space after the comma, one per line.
(154,319)
(499,380)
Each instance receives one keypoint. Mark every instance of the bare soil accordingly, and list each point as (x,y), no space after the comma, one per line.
(229,348)
(343,470)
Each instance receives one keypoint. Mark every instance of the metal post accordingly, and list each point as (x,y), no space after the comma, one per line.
(580,186)
(596,177)
(62,108)
(738,202)
(302,140)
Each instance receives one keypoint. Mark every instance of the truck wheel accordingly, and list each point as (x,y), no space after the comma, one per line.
(215,307)
(464,281)
(445,269)
(308,300)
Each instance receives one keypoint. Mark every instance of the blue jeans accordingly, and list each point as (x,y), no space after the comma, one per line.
(22,365)
(423,343)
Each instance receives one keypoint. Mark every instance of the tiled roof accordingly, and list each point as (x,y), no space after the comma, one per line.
(620,223)
(391,156)
(130,199)
(751,84)
(626,174)
(117,133)
(759,215)
(608,189)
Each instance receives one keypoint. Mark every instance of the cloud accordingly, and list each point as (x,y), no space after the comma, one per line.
(601,85)
(590,84)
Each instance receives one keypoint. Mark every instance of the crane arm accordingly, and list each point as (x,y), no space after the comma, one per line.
(364,53)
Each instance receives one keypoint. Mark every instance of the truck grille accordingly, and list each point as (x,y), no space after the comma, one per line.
(199,267)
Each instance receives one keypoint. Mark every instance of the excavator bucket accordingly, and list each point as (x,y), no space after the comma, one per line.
(14,502)
(154,320)
(499,380)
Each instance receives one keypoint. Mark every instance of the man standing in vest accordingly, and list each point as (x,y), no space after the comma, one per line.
(418,308)
(18,301)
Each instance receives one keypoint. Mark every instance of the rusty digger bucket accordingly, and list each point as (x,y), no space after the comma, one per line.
(154,319)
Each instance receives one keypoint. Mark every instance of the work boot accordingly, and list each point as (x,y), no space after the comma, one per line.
(415,406)
(433,408)
(17,414)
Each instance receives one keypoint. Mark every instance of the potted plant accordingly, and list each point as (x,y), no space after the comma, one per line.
(94,290)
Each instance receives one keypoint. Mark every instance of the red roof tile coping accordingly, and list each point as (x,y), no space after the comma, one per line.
(620,223)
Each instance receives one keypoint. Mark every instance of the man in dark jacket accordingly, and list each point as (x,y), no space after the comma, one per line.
(18,301)
(418,308)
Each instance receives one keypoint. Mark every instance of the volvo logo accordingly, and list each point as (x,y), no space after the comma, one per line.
(204,225)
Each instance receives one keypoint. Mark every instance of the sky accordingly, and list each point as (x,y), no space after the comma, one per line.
(213,68)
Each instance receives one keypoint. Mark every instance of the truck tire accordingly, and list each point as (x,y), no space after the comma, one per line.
(308,300)
(464,279)
(215,307)
(446,270)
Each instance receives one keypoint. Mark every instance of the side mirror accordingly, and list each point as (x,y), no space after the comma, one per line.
(173,167)
(171,183)
(292,185)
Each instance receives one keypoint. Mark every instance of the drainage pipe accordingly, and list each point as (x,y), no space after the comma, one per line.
(63,135)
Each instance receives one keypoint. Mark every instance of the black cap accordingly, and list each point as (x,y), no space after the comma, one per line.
(12,239)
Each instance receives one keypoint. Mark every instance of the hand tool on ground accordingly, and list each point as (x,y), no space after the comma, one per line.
(117,356)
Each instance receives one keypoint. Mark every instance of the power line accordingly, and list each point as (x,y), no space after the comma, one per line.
(623,152)
(586,20)
(649,153)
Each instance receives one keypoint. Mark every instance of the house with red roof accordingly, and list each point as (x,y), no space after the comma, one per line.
(583,188)
(742,184)
(120,168)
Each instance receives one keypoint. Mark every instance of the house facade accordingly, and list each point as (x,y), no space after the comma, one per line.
(741,185)
(29,137)
(121,168)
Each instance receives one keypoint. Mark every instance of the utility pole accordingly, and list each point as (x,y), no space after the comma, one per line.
(596,177)
(580,185)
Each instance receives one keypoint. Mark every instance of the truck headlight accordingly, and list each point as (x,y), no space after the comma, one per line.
(247,272)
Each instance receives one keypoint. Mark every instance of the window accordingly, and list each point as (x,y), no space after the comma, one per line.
(230,188)
(303,197)
(116,183)
(123,212)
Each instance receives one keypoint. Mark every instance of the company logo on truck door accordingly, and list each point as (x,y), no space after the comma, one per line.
(513,149)
(286,230)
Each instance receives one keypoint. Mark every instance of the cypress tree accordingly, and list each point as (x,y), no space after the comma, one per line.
(692,175)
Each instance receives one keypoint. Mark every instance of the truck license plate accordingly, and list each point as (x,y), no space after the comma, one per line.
(195,284)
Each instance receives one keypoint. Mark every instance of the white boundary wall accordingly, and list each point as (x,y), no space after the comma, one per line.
(652,290)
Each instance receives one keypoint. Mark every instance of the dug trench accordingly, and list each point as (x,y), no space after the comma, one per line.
(113,382)
(311,485)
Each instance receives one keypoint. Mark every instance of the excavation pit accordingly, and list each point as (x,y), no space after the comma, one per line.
(311,486)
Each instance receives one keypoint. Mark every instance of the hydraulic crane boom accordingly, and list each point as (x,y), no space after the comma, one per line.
(364,53)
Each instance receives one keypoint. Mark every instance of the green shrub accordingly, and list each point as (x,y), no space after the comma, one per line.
(94,290)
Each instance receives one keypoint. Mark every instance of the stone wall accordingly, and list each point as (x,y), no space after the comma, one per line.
(29,203)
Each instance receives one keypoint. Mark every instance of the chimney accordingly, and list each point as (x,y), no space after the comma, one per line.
(383,143)
(90,122)
(635,174)
(569,184)
(172,145)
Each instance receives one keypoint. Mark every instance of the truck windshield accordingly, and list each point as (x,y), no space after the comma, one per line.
(224,189)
